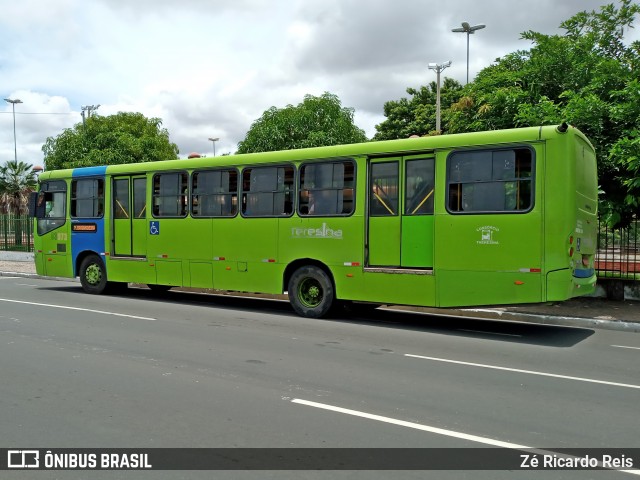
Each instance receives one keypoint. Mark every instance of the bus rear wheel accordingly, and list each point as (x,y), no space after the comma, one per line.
(93,275)
(311,292)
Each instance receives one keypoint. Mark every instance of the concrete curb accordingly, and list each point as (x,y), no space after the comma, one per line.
(477,314)
(11,256)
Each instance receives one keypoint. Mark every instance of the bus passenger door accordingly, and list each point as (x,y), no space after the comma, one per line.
(129,216)
(400,213)
(384,214)
(417,213)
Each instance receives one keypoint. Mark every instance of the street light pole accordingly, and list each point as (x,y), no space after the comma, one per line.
(438,67)
(13,105)
(214,140)
(469,30)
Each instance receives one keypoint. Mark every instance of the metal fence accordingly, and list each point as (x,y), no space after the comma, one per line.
(618,253)
(16,233)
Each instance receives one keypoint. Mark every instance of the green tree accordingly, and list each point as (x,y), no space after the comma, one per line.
(17,180)
(317,121)
(110,140)
(416,115)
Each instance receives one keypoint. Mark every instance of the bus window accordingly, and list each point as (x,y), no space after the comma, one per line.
(214,193)
(327,189)
(170,195)
(54,196)
(121,198)
(267,191)
(384,189)
(87,198)
(139,197)
(490,181)
(419,190)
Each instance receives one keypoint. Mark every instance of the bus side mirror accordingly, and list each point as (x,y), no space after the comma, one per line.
(36,204)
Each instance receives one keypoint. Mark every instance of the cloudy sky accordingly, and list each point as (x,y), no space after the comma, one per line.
(210,68)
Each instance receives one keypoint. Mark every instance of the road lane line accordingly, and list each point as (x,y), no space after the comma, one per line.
(530,372)
(77,308)
(623,346)
(442,431)
(416,426)
(8,278)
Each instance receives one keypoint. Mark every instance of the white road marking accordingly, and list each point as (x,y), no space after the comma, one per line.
(417,426)
(77,308)
(26,285)
(439,431)
(623,346)
(530,372)
(8,278)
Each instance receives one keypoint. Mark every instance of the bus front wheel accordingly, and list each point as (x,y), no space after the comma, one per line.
(311,292)
(93,275)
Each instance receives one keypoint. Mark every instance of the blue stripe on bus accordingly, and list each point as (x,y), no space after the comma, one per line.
(83,241)
(89,172)
(583,273)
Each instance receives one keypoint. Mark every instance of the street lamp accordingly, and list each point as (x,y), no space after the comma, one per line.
(214,140)
(438,67)
(13,105)
(469,30)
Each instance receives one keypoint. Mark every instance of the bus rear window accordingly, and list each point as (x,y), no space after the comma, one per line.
(483,181)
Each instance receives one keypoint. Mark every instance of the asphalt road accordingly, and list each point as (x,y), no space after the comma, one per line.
(185,370)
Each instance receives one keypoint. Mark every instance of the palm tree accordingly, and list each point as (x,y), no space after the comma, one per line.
(17,179)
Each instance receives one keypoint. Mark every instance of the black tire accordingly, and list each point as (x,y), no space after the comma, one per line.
(93,275)
(311,292)
(159,288)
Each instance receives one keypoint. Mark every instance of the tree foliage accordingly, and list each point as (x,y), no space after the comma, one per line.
(587,76)
(417,115)
(110,140)
(317,121)
(17,179)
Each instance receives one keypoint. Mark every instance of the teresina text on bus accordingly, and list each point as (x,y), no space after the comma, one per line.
(322,232)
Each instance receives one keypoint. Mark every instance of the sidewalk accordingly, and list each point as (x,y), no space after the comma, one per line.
(587,312)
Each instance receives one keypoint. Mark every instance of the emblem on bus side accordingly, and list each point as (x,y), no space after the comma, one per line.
(487,235)
(154,228)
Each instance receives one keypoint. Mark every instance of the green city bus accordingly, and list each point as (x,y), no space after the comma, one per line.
(485,218)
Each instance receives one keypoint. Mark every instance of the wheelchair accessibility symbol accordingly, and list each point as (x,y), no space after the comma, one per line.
(154,228)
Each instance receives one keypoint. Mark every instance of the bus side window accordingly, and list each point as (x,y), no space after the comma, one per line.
(419,186)
(323,188)
(383,199)
(267,191)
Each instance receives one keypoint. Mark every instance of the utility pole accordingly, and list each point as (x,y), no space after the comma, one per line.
(15,144)
(438,67)
(214,140)
(469,30)
(88,109)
